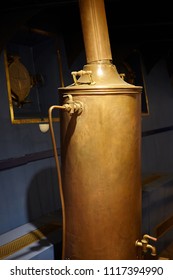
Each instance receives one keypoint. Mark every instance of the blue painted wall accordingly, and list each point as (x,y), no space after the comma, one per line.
(28,178)
(29,190)
(157,149)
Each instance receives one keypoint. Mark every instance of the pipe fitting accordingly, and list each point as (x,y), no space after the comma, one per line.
(145,245)
(72,106)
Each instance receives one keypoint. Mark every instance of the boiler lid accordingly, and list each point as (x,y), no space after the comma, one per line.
(97,76)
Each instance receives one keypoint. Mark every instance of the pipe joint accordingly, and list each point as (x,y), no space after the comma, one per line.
(72,106)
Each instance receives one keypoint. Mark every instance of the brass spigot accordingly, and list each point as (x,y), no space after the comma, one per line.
(145,245)
(72,106)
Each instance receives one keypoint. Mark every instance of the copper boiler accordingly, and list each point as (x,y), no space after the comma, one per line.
(101,152)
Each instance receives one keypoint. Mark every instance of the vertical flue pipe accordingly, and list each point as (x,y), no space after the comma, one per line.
(95,30)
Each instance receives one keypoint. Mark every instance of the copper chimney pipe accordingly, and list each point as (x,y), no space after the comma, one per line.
(95,30)
(100,151)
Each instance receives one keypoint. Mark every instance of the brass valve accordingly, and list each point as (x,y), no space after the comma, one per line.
(72,106)
(145,245)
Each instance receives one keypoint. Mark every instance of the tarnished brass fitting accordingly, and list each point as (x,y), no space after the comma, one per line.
(72,106)
(145,245)
(80,73)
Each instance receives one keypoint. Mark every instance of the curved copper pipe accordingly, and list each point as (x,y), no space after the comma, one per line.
(58,172)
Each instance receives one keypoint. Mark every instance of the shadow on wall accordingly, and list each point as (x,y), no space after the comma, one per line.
(43,194)
(44,211)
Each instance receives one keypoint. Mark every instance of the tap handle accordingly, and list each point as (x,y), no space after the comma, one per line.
(147,236)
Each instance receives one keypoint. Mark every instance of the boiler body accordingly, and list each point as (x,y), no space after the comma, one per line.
(101,172)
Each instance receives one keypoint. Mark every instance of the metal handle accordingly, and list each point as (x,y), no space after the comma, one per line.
(147,236)
(80,73)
